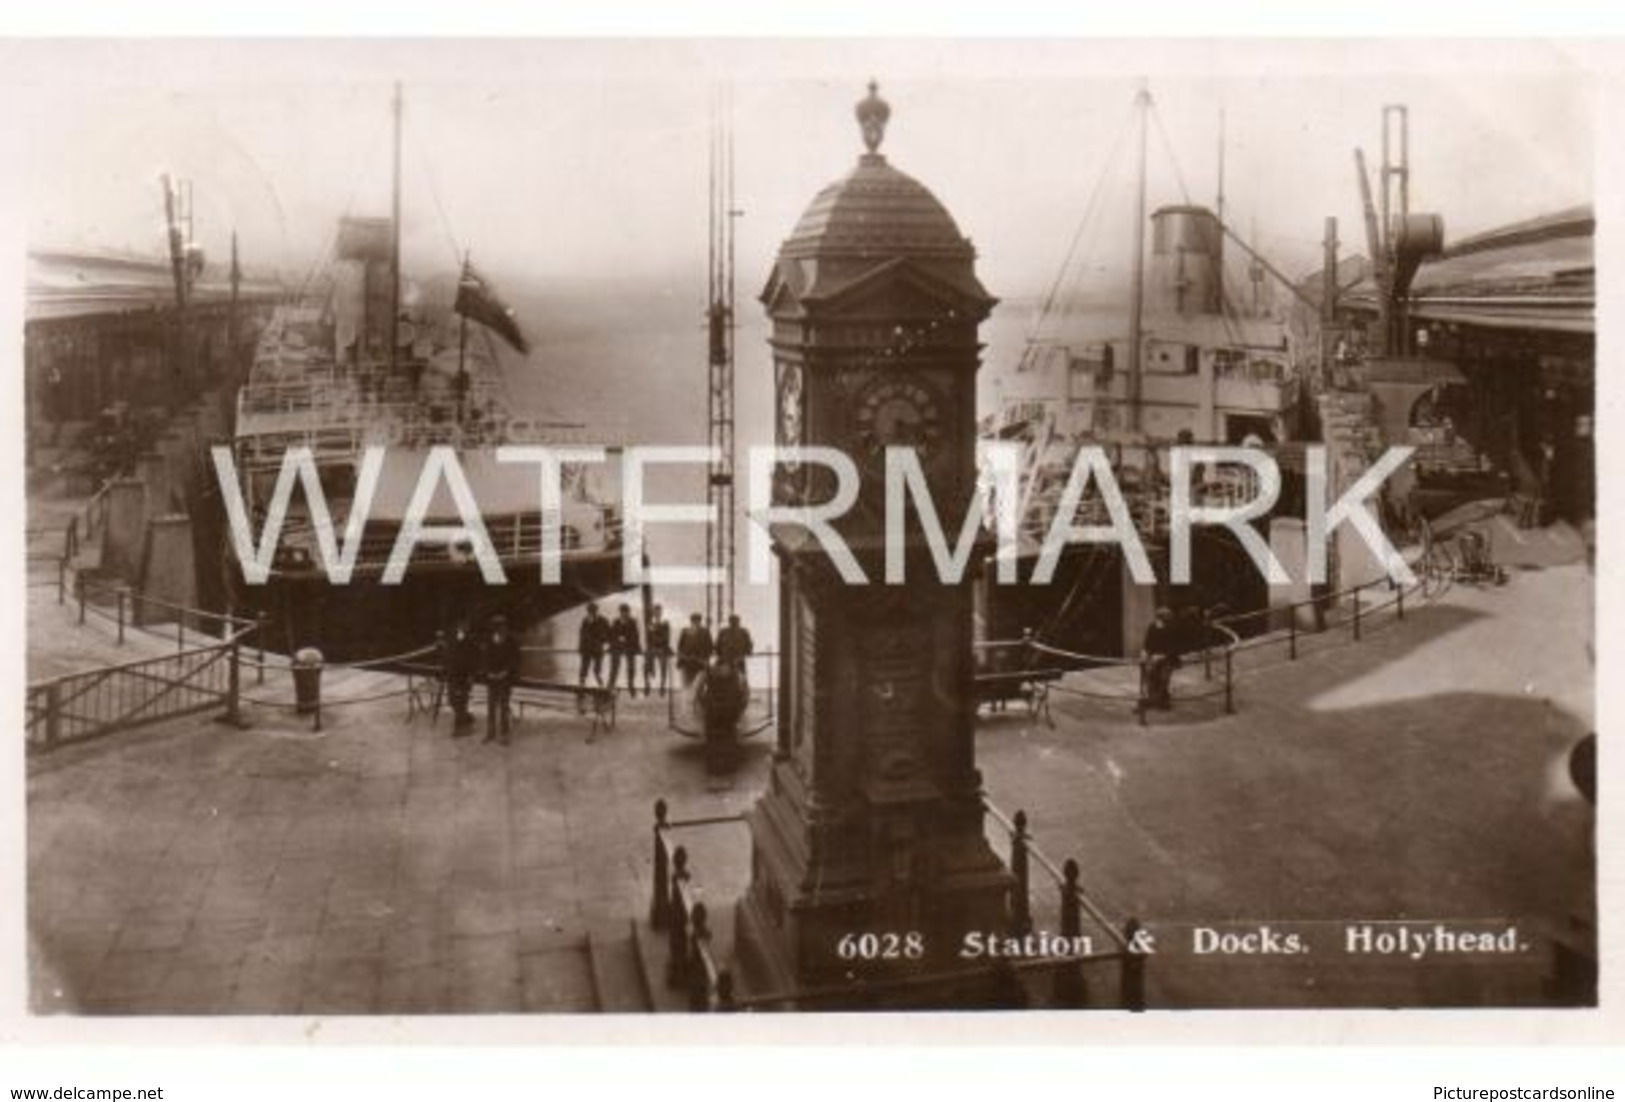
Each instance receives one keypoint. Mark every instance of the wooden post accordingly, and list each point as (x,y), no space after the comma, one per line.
(660,901)
(677,942)
(1132,988)
(699,984)
(1021,917)
(1070,992)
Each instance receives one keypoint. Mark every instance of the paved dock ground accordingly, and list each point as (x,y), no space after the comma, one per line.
(383,867)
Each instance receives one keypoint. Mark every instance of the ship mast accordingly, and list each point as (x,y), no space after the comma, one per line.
(395,244)
(1142,103)
(719,489)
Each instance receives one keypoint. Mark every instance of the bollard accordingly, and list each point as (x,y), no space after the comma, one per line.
(677,942)
(1229,683)
(661,898)
(1132,978)
(307,682)
(1070,992)
(121,595)
(699,984)
(1021,917)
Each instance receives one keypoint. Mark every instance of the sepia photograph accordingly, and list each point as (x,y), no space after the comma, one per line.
(579,527)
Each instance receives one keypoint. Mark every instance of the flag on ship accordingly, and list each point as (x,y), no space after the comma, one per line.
(477,302)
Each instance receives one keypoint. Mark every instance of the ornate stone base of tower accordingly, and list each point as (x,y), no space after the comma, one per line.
(849,922)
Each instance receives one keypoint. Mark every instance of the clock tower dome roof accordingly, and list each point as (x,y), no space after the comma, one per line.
(875,210)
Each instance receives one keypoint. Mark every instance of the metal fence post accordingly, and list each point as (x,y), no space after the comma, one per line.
(53,714)
(677,942)
(660,901)
(1070,991)
(259,642)
(233,685)
(1132,987)
(1021,915)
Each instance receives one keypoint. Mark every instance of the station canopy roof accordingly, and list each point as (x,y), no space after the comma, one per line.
(70,283)
(1538,274)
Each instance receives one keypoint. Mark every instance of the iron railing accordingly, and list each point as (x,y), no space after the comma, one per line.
(81,706)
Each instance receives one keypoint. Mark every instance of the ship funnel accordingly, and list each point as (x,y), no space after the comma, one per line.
(1186,247)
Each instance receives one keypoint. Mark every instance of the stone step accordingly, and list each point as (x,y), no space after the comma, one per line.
(617,974)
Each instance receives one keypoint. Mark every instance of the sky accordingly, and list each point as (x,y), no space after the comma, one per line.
(585,162)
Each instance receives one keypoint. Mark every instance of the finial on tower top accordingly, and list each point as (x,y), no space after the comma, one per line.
(873,113)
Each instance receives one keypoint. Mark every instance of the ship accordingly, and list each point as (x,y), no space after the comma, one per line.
(346,366)
(1190,361)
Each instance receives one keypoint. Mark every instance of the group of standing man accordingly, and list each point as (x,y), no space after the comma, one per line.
(493,655)
(623,642)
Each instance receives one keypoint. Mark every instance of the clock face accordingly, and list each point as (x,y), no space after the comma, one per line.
(899,412)
(792,409)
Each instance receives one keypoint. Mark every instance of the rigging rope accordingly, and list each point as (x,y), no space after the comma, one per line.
(1168,148)
(357,174)
(1077,237)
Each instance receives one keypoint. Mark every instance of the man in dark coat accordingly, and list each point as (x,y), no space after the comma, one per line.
(722,702)
(694,649)
(734,644)
(459,661)
(502,657)
(624,648)
(590,643)
(1159,656)
(657,658)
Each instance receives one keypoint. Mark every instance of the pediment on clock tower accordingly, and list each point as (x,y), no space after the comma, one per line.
(902,287)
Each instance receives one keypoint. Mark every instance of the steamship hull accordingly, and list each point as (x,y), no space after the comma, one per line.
(368,620)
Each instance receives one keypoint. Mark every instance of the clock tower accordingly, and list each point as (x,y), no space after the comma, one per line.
(868,858)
